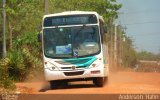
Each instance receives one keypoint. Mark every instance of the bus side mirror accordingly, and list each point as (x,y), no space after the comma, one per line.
(39,37)
(105,29)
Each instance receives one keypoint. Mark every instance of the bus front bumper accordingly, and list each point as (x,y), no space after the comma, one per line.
(75,74)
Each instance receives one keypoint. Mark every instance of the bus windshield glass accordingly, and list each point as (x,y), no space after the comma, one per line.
(70,20)
(68,42)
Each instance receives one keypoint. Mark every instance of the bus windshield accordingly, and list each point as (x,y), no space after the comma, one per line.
(68,42)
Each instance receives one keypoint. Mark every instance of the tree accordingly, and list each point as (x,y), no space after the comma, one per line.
(106,8)
(144,55)
(23,16)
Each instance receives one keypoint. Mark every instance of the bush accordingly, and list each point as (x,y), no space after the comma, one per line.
(5,80)
(17,69)
(20,60)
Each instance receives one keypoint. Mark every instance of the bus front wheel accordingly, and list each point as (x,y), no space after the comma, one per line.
(99,81)
(53,84)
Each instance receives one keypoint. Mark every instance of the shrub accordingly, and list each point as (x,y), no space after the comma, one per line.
(5,80)
(20,60)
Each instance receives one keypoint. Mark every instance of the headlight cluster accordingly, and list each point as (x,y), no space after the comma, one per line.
(96,63)
(51,66)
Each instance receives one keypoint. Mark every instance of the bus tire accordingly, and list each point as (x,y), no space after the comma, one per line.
(98,81)
(53,84)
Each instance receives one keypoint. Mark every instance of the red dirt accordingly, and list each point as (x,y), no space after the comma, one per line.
(118,83)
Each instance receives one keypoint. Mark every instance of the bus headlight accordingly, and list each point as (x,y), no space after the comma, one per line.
(94,65)
(51,66)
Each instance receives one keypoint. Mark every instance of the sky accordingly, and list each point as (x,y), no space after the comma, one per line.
(142,20)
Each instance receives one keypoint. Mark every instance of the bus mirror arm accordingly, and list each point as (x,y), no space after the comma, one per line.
(39,37)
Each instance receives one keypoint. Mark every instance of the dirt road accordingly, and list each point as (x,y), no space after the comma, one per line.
(118,83)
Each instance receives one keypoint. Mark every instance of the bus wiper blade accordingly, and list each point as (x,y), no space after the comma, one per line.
(84,25)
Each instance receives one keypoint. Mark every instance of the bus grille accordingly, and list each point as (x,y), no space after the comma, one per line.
(70,68)
(73,73)
(74,62)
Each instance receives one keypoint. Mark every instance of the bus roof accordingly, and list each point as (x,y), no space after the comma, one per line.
(74,13)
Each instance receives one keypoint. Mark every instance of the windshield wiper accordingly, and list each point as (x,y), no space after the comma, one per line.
(75,53)
(83,27)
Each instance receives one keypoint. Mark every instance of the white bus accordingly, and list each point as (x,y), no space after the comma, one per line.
(74,48)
